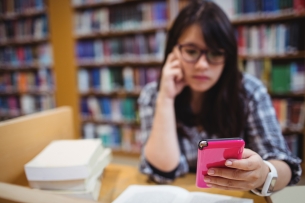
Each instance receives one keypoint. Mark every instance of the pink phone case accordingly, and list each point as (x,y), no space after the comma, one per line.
(214,153)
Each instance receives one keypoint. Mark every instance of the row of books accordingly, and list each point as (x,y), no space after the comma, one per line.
(11,7)
(293,142)
(274,39)
(128,17)
(92,2)
(109,109)
(279,78)
(40,55)
(124,138)
(115,79)
(290,114)
(21,82)
(241,9)
(133,48)
(24,29)
(13,106)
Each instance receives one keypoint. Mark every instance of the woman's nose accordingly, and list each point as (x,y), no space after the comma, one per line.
(202,62)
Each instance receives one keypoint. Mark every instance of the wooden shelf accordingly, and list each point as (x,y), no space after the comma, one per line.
(122,63)
(118,123)
(9,116)
(111,94)
(22,15)
(103,3)
(290,132)
(23,42)
(292,94)
(266,19)
(27,92)
(22,67)
(121,33)
(297,55)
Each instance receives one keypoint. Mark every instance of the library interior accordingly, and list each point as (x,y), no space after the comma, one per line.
(88,113)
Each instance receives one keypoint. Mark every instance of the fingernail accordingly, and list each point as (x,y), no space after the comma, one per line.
(207,179)
(209,185)
(211,172)
(229,163)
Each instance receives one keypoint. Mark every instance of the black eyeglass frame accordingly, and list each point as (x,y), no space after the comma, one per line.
(202,52)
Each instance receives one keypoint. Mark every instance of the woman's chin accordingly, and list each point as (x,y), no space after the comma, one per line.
(200,87)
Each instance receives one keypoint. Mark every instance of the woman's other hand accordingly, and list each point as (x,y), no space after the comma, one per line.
(245,174)
(172,81)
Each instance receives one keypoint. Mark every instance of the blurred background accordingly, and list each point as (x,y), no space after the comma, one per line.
(96,55)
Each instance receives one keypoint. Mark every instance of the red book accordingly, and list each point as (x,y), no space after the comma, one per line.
(20,55)
(277,108)
(240,40)
(299,6)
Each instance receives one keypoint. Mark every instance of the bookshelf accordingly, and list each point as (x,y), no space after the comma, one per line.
(130,57)
(287,18)
(26,73)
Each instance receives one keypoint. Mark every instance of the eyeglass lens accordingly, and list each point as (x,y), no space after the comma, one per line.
(192,54)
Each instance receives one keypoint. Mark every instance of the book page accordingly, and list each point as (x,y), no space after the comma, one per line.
(199,197)
(152,194)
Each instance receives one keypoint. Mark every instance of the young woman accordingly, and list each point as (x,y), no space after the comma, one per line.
(202,94)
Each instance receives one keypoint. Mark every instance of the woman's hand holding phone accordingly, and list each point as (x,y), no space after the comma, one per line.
(245,174)
(172,81)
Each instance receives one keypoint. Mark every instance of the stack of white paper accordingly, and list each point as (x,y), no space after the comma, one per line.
(69,167)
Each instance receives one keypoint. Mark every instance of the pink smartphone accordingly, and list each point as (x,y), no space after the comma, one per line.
(214,153)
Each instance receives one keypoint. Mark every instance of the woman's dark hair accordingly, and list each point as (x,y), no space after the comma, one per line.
(223,111)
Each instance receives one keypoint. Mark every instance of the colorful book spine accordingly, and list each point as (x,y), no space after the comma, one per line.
(280,78)
(107,80)
(124,138)
(127,17)
(274,39)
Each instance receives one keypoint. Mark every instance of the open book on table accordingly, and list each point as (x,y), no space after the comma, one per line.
(172,194)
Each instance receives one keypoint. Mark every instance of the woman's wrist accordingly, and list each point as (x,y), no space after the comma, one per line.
(265,172)
(163,99)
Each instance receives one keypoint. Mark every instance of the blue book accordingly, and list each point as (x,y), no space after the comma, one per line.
(28,55)
(84,50)
(79,50)
(287,39)
(95,76)
(106,108)
(275,6)
(45,29)
(266,5)
(90,50)
(39,4)
(84,108)
(116,136)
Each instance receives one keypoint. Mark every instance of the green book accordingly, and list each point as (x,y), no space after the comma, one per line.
(280,79)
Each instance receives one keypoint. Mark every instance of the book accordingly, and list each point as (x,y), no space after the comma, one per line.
(90,194)
(172,194)
(86,184)
(16,193)
(280,78)
(64,160)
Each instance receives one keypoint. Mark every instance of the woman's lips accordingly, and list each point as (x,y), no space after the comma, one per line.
(201,77)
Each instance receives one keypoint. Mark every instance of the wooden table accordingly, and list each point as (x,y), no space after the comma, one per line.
(117,178)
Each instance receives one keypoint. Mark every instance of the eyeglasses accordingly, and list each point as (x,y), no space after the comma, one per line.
(191,54)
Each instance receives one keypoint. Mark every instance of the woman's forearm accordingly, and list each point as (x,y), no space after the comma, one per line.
(162,146)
